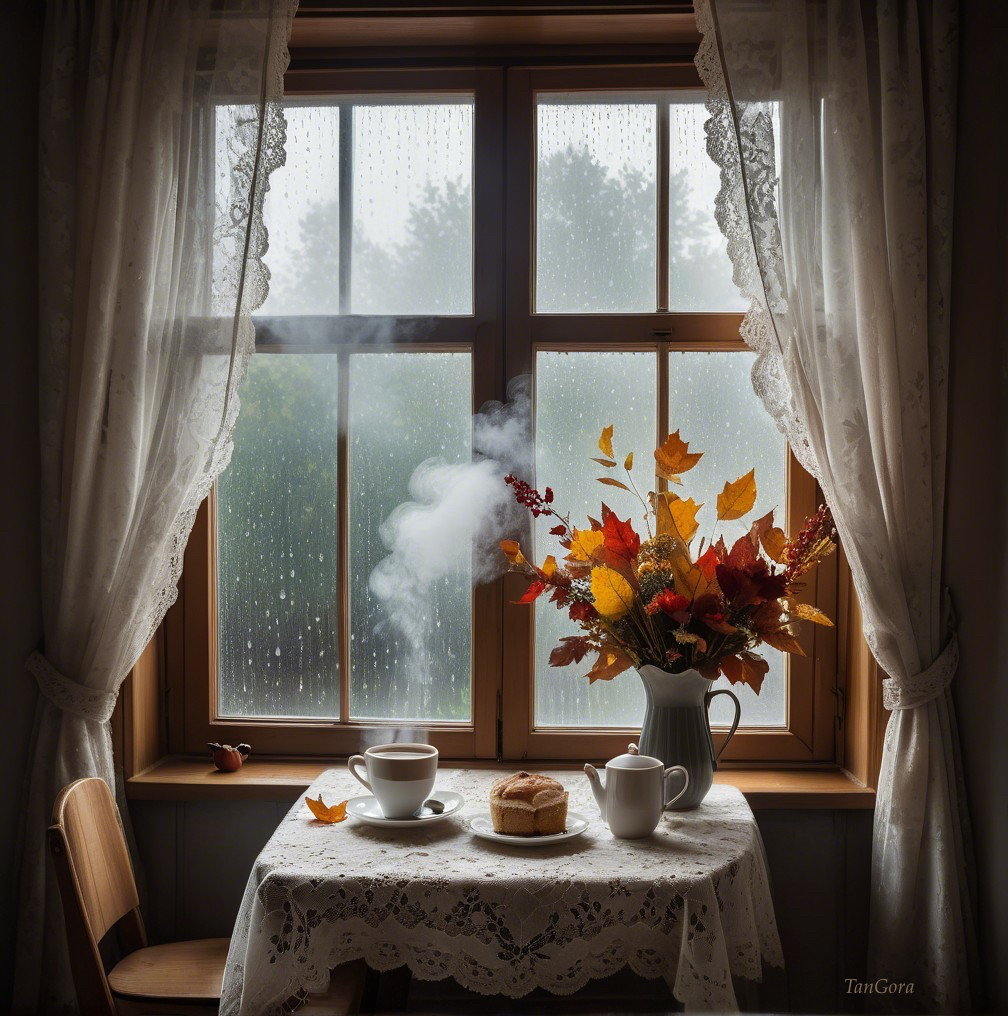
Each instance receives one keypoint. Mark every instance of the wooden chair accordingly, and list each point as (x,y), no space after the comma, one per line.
(99,893)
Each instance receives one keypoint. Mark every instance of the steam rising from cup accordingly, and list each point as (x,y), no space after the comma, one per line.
(451,526)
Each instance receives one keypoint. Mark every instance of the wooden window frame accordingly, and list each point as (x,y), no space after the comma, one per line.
(809,734)
(503,345)
(191,649)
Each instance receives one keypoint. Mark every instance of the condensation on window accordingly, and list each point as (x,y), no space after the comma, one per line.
(596,204)
(405,408)
(712,404)
(700,272)
(277,544)
(410,224)
(577,394)
(413,213)
(301,211)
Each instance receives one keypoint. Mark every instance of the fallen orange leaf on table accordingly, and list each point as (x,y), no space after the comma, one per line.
(322,811)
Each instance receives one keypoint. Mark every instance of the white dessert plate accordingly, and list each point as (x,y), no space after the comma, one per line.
(366,809)
(482,826)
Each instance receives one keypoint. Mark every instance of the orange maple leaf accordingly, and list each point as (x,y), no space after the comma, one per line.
(325,813)
(674,457)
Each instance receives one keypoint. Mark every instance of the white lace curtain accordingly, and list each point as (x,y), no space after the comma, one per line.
(159,127)
(846,258)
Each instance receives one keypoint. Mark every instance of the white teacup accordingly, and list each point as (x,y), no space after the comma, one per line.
(401,776)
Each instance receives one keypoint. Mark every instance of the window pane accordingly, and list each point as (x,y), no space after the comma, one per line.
(405,408)
(700,272)
(277,560)
(412,209)
(409,226)
(712,403)
(577,394)
(301,211)
(596,204)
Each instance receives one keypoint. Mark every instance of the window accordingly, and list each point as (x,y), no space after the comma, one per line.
(433,233)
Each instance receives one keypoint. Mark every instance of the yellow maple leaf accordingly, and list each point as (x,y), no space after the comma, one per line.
(586,544)
(773,541)
(549,567)
(737,498)
(806,612)
(325,813)
(674,457)
(611,592)
(675,515)
(783,640)
(605,442)
(610,662)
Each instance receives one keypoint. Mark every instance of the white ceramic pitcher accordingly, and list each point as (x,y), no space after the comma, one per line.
(635,793)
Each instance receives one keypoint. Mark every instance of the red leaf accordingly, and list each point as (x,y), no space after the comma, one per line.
(558,530)
(754,669)
(620,539)
(572,649)
(731,667)
(707,562)
(581,611)
(534,591)
(743,553)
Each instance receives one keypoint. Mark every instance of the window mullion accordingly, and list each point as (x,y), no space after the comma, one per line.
(346,189)
(343,525)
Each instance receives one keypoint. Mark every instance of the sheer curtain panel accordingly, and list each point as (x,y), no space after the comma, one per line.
(839,229)
(159,126)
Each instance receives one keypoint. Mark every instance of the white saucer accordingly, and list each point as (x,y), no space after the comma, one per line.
(482,826)
(366,809)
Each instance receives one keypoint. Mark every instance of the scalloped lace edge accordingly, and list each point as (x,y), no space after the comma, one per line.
(733,215)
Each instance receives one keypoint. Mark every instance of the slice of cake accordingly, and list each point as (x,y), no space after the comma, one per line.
(528,804)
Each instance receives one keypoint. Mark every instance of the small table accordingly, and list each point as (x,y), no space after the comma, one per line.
(690,904)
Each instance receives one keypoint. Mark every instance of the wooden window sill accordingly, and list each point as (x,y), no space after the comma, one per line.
(182,778)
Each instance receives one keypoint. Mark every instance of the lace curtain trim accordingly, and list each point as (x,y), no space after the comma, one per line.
(264,152)
(746,181)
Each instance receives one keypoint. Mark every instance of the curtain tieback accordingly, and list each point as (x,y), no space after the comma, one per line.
(921,688)
(71,697)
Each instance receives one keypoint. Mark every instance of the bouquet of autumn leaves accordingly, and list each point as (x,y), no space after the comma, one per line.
(654,602)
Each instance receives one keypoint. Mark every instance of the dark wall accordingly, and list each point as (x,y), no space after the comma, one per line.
(20,607)
(976,563)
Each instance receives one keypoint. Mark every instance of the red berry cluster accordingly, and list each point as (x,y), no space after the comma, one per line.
(812,543)
(527,495)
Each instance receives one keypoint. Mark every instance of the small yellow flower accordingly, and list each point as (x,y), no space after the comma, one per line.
(613,595)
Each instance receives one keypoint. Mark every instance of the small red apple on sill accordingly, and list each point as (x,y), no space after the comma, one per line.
(228,759)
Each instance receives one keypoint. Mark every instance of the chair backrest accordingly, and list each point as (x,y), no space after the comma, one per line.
(96,884)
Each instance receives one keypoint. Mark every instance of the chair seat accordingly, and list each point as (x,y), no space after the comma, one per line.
(177,971)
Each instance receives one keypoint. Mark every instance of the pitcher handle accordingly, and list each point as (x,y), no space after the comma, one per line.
(738,715)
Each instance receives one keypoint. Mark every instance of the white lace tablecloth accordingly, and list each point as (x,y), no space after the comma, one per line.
(690,904)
